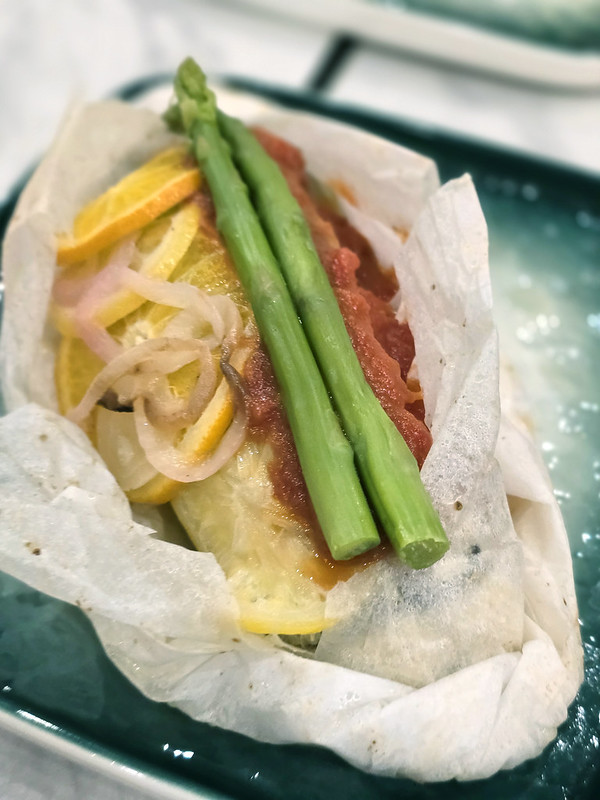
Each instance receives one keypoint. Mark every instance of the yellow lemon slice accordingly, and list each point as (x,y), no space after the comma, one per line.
(260,547)
(133,202)
(159,248)
(207,266)
(74,369)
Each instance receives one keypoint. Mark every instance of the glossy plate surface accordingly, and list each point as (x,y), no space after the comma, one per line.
(544,225)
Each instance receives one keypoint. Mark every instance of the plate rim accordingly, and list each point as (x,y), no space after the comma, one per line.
(49,736)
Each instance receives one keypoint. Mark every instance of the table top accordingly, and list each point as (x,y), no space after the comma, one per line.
(53,54)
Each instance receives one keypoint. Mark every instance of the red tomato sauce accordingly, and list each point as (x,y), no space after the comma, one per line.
(384,346)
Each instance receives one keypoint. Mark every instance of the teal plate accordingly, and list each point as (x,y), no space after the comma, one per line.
(544,225)
(570,25)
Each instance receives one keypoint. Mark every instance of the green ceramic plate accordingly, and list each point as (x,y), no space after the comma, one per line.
(544,225)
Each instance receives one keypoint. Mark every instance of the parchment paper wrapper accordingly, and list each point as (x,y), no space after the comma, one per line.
(455,671)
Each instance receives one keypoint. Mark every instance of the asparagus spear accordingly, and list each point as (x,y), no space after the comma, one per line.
(388,469)
(325,454)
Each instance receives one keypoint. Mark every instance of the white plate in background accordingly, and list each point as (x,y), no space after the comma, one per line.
(447,40)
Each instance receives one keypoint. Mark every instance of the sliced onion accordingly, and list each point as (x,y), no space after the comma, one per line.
(187,323)
(197,307)
(178,295)
(67,291)
(128,361)
(233,320)
(109,280)
(163,454)
(203,390)
(229,311)
(105,283)
(98,339)
(150,381)
(164,409)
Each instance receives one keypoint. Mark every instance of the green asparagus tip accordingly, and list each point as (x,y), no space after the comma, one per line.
(196,102)
(172,118)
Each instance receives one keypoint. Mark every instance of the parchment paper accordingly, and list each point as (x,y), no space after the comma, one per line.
(473,661)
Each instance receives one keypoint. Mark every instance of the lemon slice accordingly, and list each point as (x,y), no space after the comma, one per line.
(208,266)
(160,247)
(133,202)
(260,547)
(74,369)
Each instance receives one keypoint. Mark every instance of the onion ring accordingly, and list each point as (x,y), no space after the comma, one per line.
(178,295)
(133,359)
(164,455)
(105,283)
(166,458)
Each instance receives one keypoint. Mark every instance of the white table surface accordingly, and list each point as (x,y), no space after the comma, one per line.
(52,53)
